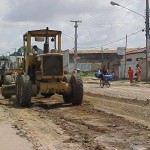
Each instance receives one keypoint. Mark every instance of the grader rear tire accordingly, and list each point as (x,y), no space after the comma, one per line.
(4,94)
(25,91)
(6,91)
(77,89)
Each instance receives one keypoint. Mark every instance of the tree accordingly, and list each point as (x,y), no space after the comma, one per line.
(20,51)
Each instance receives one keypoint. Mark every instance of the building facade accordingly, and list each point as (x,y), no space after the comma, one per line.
(133,57)
(91,60)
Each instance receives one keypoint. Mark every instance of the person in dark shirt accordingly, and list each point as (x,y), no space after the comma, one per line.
(104,70)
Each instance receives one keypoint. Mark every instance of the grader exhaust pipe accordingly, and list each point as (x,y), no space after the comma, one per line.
(46,44)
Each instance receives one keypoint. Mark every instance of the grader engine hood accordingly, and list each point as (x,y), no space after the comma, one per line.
(52,66)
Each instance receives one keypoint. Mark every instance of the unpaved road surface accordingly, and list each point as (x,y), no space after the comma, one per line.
(115,118)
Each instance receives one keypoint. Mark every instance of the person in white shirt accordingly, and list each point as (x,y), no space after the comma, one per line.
(36,50)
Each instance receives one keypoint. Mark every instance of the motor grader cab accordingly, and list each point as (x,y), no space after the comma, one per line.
(44,73)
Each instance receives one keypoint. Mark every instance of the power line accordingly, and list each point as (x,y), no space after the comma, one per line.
(112,42)
(103,13)
(67,35)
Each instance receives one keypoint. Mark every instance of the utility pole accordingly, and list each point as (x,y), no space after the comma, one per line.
(75,43)
(102,53)
(147,52)
(8,59)
(147,37)
(125,62)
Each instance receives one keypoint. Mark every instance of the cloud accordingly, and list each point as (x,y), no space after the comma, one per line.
(101,22)
(47,10)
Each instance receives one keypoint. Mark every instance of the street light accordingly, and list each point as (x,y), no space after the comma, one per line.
(116,4)
(147,28)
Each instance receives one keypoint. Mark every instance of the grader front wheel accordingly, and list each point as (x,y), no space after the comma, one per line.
(77,89)
(24,92)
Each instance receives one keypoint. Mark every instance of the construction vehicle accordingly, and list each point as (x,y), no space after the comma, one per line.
(3,64)
(44,73)
(6,74)
(7,77)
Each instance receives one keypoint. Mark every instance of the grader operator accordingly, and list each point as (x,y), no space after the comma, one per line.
(44,73)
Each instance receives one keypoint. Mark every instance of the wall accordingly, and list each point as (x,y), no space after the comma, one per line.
(92,61)
(66,59)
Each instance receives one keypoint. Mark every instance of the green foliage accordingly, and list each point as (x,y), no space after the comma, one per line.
(87,74)
(20,51)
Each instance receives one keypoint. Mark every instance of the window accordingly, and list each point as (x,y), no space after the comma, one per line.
(137,59)
(129,59)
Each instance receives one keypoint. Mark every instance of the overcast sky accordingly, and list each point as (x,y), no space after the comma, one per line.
(103,25)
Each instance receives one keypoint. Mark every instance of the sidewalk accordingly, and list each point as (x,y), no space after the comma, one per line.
(121,89)
(94,80)
(10,136)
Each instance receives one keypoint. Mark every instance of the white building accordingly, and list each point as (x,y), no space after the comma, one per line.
(133,57)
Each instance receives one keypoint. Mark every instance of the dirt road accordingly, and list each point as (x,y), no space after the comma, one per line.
(101,122)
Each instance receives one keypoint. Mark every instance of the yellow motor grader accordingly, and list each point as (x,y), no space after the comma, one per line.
(44,73)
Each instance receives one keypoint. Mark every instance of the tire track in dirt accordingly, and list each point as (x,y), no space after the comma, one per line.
(51,124)
(95,129)
(131,109)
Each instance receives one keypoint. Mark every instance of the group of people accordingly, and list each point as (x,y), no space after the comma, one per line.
(131,73)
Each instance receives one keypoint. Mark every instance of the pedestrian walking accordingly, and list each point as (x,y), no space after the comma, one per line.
(138,72)
(130,74)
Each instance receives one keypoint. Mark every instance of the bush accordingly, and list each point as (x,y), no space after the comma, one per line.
(87,74)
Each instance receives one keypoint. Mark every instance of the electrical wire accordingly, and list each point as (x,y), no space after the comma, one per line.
(101,14)
(67,35)
(112,42)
